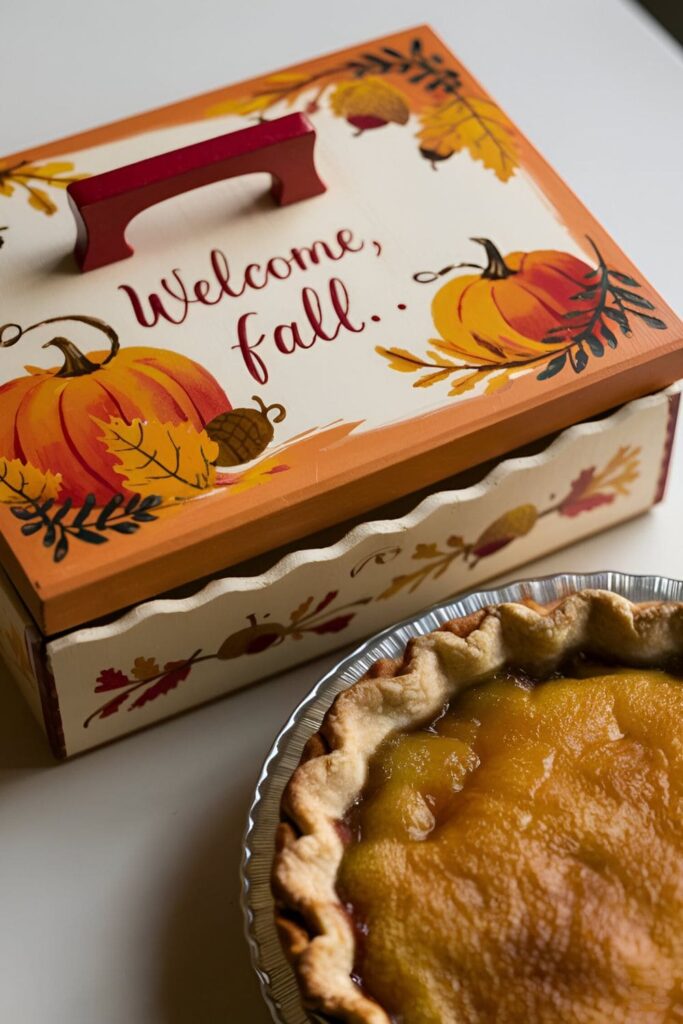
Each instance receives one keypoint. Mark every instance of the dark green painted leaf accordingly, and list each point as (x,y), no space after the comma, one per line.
(652,321)
(573,313)
(393,53)
(29,528)
(61,548)
(553,367)
(416,47)
(595,345)
(588,294)
(23,513)
(60,513)
(50,535)
(635,300)
(608,336)
(108,509)
(580,361)
(124,527)
(132,504)
(85,510)
(151,501)
(46,506)
(624,278)
(90,536)
(619,317)
(144,517)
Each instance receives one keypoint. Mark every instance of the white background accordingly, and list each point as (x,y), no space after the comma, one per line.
(118,871)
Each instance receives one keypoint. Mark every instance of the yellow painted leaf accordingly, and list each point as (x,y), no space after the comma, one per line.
(40,200)
(402,360)
(53,171)
(498,382)
(145,668)
(244,105)
(466,383)
(170,460)
(299,612)
(6,186)
(20,482)
(432,378)
(289,78)
(427,551)
(474,124)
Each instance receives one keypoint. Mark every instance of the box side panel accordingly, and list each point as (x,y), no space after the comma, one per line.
(19,649)
(167,656)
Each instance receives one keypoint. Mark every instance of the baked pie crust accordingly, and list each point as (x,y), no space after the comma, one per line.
(403,695)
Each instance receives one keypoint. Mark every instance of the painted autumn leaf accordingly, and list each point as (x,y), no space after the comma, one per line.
(286,85)
(30,177)
(173,461)
(20,483)
(477,125)
(145,668)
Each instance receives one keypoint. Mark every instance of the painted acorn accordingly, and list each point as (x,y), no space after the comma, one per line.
(369,103)
(434,156)
(242,434)
(517,522)
(253,639)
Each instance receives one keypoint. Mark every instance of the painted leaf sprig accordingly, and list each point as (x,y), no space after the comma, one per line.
(547,325)
(586,333)
(146,681)
(33,179)
(174,461)
(592,488)
(58,524)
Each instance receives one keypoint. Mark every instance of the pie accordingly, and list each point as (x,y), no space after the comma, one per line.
(491,827)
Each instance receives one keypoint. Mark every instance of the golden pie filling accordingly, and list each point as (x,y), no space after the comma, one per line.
(521,860)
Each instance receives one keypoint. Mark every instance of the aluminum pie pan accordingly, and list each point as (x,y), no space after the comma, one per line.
(276,978)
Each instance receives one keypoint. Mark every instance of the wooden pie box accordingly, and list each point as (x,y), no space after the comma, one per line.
(284,425)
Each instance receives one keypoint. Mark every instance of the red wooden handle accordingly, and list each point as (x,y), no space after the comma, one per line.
(104,204)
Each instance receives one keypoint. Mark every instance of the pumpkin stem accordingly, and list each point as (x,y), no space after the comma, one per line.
(75,363)
(496,268)
(265,409)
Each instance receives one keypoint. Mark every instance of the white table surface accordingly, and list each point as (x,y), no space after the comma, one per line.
(119,870)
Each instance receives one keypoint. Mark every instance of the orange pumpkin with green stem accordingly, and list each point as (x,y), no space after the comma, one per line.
(507,314)
(47,418)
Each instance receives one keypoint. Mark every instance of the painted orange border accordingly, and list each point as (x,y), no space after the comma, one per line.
(359,472)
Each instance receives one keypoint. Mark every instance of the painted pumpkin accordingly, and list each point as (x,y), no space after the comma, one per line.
(370,103)
(47,418)
(503,314)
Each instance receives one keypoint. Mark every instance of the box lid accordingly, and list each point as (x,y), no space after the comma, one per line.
(255,372)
